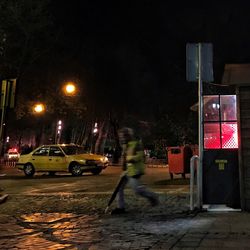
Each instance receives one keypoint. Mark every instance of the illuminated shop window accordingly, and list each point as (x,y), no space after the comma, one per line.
(229,135)
(211,108)
(212,135)
(220,122)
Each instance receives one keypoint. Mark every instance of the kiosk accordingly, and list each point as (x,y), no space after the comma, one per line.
(220,157)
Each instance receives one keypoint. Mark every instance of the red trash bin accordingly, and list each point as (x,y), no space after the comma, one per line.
(179,160)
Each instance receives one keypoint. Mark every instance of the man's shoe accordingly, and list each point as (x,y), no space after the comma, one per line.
(3,198)
(118,211)
(154,202)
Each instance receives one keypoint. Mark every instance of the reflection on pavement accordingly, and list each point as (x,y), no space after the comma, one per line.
(49,230)
(45,217)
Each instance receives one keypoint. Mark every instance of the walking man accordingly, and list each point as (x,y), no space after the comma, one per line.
(134,168)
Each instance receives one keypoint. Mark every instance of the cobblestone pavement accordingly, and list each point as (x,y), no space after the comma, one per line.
(78,222)
(48,220)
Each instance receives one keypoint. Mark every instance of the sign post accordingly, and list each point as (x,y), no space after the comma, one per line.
(200,92)
(199,68)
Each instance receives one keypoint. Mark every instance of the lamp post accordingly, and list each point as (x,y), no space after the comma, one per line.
(38,109)
(69,90)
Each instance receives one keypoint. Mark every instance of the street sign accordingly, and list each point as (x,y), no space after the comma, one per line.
(12,93)
(8,92)
(3,94)
(206,62)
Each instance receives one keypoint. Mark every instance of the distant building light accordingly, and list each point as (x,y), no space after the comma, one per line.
(95,130)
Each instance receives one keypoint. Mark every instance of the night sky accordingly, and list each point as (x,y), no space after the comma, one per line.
(133,52)
(129,57)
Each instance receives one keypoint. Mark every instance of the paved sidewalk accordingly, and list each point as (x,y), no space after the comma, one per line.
(84,225)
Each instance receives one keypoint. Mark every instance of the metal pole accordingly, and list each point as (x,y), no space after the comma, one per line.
(194,157)
(200,92)
(3,102)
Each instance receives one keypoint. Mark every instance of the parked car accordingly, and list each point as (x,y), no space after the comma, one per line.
(61,158)
(12,155)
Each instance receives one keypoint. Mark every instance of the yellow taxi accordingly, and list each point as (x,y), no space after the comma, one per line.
(61,158)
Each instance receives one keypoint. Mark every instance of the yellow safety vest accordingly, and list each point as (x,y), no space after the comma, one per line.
(135,159)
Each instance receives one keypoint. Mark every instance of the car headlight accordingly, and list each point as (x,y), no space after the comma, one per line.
(104,159)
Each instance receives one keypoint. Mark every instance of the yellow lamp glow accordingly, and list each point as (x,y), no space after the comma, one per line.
(39,108)
(70,88)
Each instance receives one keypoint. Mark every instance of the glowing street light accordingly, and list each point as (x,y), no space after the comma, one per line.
(38,108)
(69,88)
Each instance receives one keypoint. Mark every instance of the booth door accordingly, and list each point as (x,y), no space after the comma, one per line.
(221,178)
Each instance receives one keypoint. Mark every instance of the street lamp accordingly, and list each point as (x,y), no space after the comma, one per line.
(69,89)
(70,100)
(38,108)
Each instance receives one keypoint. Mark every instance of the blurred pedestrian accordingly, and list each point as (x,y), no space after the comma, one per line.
(134,168)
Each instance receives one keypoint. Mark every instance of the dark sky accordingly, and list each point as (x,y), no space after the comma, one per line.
(132,54)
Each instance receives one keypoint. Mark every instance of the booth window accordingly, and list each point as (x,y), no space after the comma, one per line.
(220,122)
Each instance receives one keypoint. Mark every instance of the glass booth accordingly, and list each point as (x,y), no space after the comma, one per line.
(220,158)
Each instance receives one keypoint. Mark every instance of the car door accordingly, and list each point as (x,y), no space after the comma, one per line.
(39,158)
(57,159)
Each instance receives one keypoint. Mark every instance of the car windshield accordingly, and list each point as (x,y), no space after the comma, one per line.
(73,150)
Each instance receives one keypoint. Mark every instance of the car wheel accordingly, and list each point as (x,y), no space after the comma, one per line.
(29,170)
(76,170)
(96,171)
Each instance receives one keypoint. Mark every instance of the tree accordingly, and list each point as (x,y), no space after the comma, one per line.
(25,34)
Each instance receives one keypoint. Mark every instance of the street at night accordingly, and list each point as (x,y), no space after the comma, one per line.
(124,125)
(63,189)
(65,212)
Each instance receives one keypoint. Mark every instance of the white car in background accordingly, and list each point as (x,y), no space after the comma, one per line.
(12,155)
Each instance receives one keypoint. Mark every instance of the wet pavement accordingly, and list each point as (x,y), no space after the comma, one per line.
(79,222)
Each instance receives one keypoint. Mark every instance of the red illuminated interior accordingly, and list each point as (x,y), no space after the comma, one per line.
(226,138)
(220,131)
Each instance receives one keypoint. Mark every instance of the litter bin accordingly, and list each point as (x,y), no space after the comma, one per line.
(179,160)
